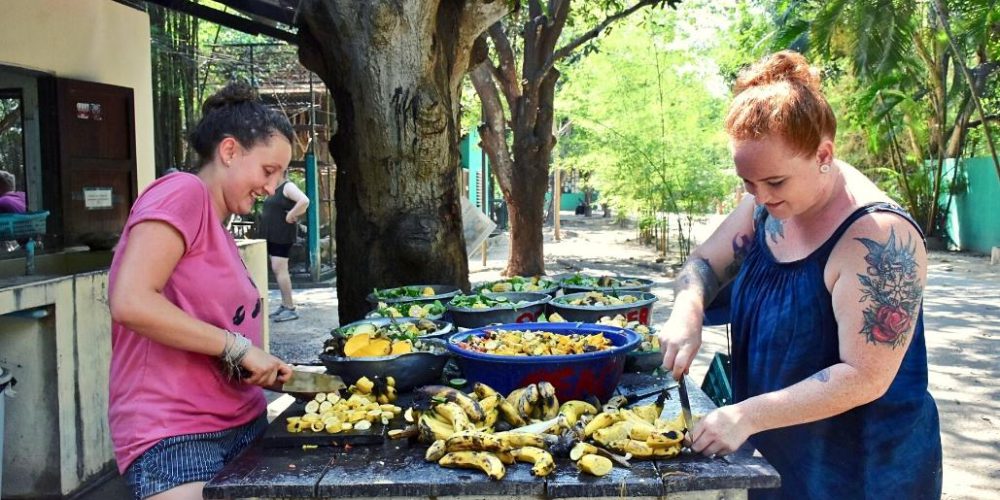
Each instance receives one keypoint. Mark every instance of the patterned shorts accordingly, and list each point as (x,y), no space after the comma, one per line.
(189,458)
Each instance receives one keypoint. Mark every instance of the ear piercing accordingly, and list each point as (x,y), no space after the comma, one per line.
(824,168)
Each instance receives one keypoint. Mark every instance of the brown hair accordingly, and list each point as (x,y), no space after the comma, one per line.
(781,95)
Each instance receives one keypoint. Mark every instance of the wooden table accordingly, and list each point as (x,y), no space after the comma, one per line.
(397,469)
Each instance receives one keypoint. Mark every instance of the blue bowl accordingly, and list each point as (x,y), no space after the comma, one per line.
(574,376)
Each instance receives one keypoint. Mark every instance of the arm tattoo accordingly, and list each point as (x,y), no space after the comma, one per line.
(697,275)
(823,375)
(890,289)
(773,227)
(741,247)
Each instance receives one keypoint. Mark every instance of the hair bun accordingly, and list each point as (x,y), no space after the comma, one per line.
(232,94)
(784,66)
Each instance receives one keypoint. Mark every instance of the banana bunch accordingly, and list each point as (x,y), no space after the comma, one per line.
(636,432)
(332,413)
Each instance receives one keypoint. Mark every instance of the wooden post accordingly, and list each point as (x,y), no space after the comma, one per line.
(556,201)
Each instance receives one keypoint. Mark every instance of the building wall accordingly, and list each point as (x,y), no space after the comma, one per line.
(974,221)
(94,40)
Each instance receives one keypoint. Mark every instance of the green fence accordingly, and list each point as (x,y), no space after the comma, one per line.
(974,217)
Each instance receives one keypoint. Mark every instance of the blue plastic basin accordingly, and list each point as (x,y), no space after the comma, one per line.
(574,376)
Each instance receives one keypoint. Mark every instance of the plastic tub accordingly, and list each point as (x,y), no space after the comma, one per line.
(574,376)
(466,317)
(640,310)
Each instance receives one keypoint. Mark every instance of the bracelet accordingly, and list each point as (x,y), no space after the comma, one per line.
(236,348)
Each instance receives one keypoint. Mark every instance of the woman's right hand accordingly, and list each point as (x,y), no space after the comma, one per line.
(680,339)
(264,368)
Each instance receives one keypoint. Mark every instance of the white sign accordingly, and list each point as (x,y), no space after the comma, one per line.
(97,198)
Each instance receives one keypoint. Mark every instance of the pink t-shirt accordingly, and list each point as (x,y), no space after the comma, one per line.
(158,391)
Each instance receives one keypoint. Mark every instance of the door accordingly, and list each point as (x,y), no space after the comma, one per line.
(97,164)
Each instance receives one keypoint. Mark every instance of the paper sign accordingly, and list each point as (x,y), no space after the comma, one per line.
(97,198)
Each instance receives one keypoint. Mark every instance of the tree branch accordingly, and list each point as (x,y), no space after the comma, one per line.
(596,30)
(493,129)
(506,71)
(475,18)
(989,118)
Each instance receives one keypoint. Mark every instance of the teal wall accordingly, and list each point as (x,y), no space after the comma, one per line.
(974,218)
(472,160)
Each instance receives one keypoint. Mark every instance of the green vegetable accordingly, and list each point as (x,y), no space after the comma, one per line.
(485,301)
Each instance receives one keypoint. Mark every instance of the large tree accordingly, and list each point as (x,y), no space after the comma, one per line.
(394,69)
(525,116)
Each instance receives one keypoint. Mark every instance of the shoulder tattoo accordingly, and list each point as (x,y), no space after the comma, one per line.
(891,290)
(773,227)
(741,247)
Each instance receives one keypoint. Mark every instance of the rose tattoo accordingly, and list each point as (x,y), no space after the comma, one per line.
(891,289)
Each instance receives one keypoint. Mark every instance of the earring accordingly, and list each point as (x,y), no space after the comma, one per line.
(824,168)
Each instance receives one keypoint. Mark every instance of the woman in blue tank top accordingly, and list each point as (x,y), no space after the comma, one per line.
(829,368)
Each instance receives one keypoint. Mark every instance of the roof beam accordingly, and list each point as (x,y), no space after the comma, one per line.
(267,10)
(228,20)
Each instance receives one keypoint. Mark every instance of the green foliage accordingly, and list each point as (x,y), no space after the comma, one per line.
(646,114)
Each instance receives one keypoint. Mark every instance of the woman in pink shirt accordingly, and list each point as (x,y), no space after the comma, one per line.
(186,356)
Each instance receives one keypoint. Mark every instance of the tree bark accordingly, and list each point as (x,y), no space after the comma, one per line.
(393,69)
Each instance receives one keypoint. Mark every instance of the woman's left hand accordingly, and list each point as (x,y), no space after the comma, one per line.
(291,219)
(265,369)
(721,432)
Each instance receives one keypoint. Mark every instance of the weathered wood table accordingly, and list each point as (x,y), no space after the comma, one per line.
(397,469)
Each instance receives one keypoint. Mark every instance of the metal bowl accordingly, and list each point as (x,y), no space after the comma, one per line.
(641,285)
(551,291)
(410,370)
(444,328)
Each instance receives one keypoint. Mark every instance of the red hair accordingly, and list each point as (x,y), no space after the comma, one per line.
(780,95)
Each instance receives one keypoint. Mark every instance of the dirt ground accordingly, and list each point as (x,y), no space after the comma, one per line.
(962,315)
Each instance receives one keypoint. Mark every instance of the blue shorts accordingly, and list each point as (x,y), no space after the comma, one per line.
(190,458)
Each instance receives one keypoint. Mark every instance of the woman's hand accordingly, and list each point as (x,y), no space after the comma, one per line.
(680,339)
(721,432)
(290,218)
(264,368)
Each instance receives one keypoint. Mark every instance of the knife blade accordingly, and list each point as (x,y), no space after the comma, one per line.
(685,404)
(308,382)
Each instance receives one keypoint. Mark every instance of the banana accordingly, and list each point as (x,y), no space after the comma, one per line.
(431,429)
(595,465)
(483,391)
(614,432)
(572,410)
(581,449)
(435,451)
(661,439)
(509,413)
(600,421)
(616,402)
(544,464)
(641,429)
(491,420)
(481,460)
(365,385)
(505,457)
(548,404)
(490,403)
(455,415)
(637,449)
(474,441)
(513,440)
(649,412)
(524,400)
(469,406)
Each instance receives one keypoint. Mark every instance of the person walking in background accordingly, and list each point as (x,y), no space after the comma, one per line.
(829,365)
(279,226)
(187,318)
(11,201)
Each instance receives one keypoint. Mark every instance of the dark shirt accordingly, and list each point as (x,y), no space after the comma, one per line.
(13,203)
(273,226)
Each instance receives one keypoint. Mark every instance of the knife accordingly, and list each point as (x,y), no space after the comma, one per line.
(308,382)
(685,404)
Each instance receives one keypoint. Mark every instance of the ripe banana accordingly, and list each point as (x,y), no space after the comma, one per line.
(641,429)
(435,451)
(648,412)
(513,440)
(594,464)
(524,400)
(481,460)
(468,405)
(667,439)
(544,464)
(431,429)
(572,410)
(581,449)
(490,403)
(455,415)
(509,413)
(483,391)
(614,432)
(600,421)
(547,405)
(474,441)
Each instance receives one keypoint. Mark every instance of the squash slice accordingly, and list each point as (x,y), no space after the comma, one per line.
(402,347)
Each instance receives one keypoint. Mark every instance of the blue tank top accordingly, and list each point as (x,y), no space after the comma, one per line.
(784,331)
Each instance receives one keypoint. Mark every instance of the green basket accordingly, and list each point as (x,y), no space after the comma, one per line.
(716,384)
(14,226)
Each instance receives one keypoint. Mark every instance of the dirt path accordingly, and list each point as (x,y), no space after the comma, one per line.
(962,315)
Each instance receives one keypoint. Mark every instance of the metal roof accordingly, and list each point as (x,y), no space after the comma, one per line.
(273,18)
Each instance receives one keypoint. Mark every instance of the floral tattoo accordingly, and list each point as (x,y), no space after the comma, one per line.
(891,288)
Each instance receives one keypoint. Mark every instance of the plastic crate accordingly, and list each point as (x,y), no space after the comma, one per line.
(716,384)
(14,226)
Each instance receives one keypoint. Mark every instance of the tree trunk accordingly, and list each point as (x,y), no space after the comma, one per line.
(393,70)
